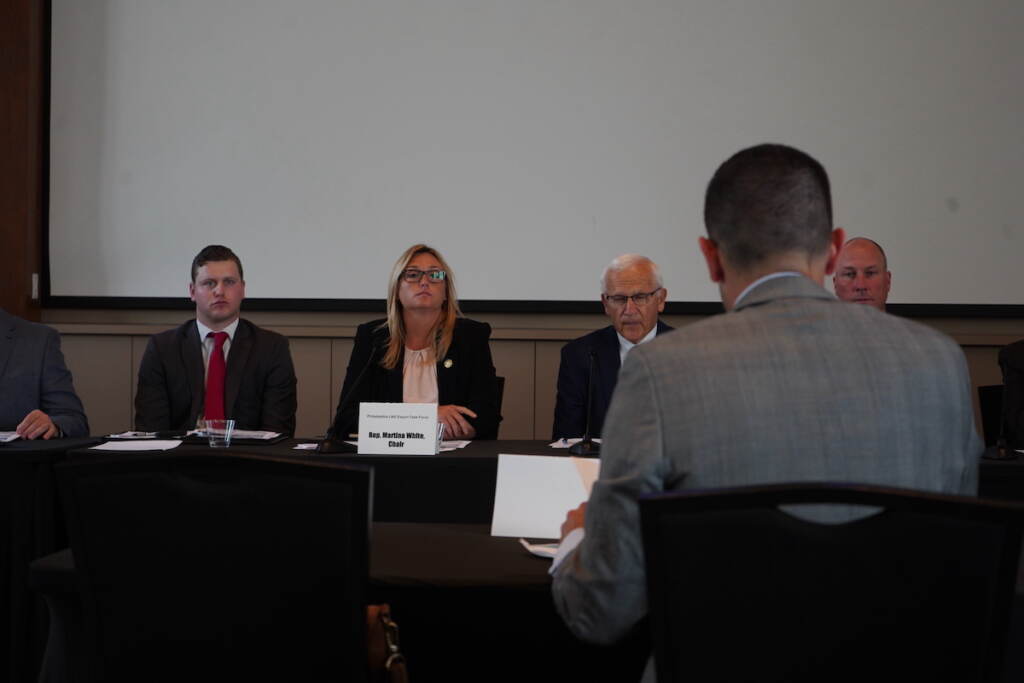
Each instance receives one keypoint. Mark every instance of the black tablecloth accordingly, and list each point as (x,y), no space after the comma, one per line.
(452,487)
(30,527)
(1002,479)
(458,486)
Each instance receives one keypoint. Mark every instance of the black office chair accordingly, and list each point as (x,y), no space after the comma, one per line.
(499,389)
(741,591)
(990,400)
(220,568)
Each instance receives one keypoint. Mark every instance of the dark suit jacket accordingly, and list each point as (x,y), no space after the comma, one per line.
(1011,360)
(33,376)
(573,372)
(465,377)
(259,392)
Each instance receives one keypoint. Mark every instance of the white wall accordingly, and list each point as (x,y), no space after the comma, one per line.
(530,141)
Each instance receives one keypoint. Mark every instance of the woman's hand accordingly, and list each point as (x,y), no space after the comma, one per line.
(455,425)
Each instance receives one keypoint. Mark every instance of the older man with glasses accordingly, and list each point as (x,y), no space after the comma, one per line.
(633,295)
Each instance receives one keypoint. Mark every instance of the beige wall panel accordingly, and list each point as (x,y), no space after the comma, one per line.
(548,358)
(513,360)
(138,349)
(101,366)
(341,349)
(312,360)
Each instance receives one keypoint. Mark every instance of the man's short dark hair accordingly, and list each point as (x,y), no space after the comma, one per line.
(767,200)
(215,252)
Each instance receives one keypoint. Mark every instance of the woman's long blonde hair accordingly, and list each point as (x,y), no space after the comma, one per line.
(443,329)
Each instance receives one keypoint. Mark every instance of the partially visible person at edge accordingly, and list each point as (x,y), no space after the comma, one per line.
(423,352)
(37,395)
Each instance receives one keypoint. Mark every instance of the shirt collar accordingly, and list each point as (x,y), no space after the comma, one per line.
(205,331)
(762,280)
(625,345)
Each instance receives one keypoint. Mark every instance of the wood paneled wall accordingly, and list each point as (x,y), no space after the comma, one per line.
(22,52)
(103,350)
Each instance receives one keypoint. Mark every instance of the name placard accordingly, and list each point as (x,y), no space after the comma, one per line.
(402,428)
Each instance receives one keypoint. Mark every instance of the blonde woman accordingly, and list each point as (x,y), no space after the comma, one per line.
(423,352)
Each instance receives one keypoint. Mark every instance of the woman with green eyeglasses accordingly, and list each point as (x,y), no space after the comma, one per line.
(423,352)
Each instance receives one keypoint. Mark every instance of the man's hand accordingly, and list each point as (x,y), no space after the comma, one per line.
(574,519)
(456,426)
(35,425)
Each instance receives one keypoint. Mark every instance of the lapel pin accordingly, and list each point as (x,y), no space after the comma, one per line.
(448,362)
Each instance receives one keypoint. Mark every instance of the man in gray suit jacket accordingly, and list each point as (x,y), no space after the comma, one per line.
(37,396)
(788,385)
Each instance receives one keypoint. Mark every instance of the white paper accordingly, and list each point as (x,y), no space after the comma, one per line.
(7,437)
(398,428)
(454,445)
(565,443)
(547,550)
(534,492)
(305,446)
(147,445)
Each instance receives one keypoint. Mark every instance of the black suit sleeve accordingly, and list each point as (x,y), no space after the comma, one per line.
(480,384)
(346,416)
(571,401)
(279,401)
(152,403)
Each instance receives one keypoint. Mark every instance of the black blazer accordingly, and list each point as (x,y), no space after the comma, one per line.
(465,377)
(259,392)
(1011,361)
(573,373)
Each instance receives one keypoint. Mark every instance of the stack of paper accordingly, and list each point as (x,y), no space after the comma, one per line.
(534,492)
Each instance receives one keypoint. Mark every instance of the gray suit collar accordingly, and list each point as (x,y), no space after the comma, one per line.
(797,287)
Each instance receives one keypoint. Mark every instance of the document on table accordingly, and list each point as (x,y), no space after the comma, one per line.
(147,445)
(533,493)
(547,550)
(565,443)
(7,437)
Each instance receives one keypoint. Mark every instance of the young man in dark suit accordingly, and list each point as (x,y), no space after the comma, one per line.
(218,365)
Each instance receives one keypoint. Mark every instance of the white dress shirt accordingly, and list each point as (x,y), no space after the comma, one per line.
(625,345)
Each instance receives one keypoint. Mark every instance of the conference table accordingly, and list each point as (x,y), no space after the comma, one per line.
(30,526)
(434,560)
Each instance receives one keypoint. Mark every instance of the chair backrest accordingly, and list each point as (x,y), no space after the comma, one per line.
(740,590)
(990,400)
(201,567)
(499,388)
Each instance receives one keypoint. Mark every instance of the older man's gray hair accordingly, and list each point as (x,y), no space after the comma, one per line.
(625,261)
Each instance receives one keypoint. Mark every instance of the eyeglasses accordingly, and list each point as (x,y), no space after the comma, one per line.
(619,300)
(415,275)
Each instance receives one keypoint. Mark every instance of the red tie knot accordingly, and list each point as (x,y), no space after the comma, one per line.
(218,339)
